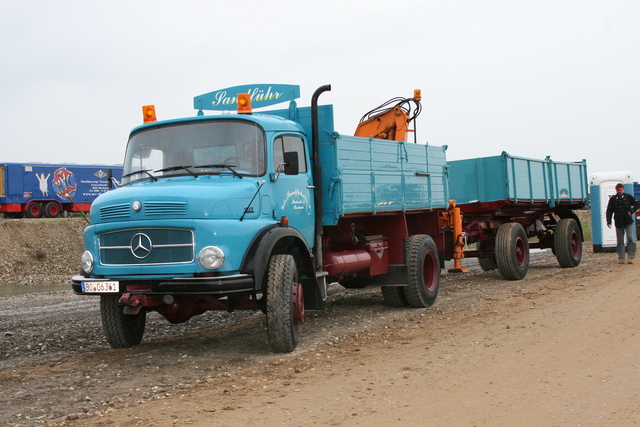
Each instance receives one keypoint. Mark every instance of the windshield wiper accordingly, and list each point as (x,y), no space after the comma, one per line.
(141,171)
(220,165)
(175,168)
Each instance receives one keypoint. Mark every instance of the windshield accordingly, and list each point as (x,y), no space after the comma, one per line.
(196,148)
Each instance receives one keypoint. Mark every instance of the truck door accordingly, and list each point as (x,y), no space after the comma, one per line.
(293,194)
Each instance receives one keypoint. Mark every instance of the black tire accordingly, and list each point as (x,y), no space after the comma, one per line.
(487,263)
(394,296)
(52,210)
(34,210)
(567,242)
(285,304)
(121,330)
(512,251)
(423,271)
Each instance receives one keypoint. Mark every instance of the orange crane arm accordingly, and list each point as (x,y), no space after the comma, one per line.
(390,122)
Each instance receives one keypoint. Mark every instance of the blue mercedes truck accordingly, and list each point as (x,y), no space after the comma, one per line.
(262,211)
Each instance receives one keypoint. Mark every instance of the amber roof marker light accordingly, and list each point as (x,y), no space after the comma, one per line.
(149,114)
(244,103)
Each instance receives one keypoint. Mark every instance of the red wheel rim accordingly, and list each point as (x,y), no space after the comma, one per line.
(297,303)
(430,272)
(521,252)
(575,244)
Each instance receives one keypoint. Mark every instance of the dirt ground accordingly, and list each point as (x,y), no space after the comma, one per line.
(557,348)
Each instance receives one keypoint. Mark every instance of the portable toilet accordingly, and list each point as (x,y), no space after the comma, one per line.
(602,187)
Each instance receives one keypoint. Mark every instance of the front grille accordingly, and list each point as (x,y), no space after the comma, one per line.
(147,246)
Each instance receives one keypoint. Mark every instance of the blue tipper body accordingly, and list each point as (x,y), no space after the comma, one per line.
(517,179)
(373,175)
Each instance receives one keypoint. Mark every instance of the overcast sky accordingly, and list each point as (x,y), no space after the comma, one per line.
(534,78)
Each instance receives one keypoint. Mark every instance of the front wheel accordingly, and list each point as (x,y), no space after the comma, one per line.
(285,304)
(423,271)
(567,243)
(512,251)
(121,330)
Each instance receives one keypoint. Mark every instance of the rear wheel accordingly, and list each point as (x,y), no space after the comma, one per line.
(121,330)
(423,270)
(512,251)
(34,210)
(567,243)
(487,263)
(394,296)
(52,210)
(285,304)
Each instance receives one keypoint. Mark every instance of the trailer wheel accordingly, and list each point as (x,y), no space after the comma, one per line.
(285,304)
(423,270)
(512,251)
(121,330)
(567,243)
(394,296)
(52,210)
(487,263)
(34,210)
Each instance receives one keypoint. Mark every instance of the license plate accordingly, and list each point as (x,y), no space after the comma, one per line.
(100,287)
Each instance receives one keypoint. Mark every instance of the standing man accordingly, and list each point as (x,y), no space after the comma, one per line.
(622,206)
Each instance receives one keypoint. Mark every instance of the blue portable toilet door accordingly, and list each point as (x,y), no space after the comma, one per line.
(293,193)
(607,189)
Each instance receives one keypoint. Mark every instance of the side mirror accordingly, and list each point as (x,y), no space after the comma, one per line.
(291,163)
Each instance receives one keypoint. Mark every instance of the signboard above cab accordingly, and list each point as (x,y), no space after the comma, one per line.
(262,95)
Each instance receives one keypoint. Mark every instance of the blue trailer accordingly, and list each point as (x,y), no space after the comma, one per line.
(46,190)
(510,204)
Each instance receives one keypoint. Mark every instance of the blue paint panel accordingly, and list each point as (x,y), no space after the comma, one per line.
(597,220)
(519,179)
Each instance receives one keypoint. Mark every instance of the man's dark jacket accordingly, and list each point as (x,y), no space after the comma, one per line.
(620,206)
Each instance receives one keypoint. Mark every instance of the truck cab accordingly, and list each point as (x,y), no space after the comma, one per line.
(205,204)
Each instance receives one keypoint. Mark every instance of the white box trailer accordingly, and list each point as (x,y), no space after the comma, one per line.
(602,187)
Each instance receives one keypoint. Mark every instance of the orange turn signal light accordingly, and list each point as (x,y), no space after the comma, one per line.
(149,114)
(244,103)
(284,220)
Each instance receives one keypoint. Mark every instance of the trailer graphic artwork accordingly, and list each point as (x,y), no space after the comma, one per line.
(64,183)
(44,184)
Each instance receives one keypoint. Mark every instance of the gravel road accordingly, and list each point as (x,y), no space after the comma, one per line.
(57,370)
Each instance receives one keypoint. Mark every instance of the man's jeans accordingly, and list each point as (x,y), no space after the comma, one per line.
(631,242)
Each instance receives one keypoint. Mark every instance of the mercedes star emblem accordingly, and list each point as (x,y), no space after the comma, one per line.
(141,246)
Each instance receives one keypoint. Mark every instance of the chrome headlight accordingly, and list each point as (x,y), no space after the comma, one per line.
(87,262)
(211,257)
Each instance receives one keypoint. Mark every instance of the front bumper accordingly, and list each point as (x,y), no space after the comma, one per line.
(218,286)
